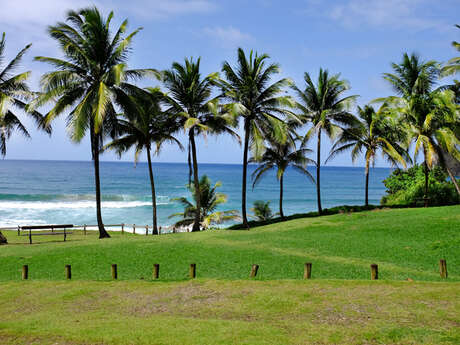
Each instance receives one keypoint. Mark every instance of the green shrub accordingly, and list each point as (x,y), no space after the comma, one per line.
(407,187)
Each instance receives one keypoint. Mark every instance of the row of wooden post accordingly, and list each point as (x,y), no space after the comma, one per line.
(134,229)
(253,274)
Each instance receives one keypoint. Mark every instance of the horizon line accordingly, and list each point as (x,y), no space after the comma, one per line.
(145,162)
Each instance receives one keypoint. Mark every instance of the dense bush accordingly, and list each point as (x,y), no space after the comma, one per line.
(407,187)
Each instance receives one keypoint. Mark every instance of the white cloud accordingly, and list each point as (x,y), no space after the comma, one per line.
(386,14)
(227,37)
(161,9)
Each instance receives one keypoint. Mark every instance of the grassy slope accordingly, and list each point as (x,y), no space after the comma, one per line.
(406,243)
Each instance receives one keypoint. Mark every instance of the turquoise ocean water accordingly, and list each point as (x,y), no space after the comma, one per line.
(46,192)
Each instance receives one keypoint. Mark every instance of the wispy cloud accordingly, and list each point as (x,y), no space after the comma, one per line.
(227,37)
(388,14)
(162,9)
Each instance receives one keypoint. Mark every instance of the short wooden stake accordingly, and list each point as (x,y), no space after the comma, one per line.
(122,228)
(192,271)
(159,231)
(147,230)
(84,229)
(443,268)
(25,272)
(254,270)
(374,272)
(307,271)
(114,271)
(68,272)
(156,271)
(134,228)
(174,230)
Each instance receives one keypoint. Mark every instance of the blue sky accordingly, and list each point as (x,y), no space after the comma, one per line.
(357,38)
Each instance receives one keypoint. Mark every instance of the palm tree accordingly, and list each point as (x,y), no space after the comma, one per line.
(190,99)
(325,107)
(210,200)
(14,93)
(375,132)
(149,124)
(89,81)
(259,103)
(429,115)
(280,157)
(453,65)
(262,210)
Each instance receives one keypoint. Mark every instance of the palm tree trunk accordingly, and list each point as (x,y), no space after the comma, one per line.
(154,200)
(425,197)
(318,170)
(245,168)
(366,199)
(281,196)
(454,180)
(196,182)
(95,151)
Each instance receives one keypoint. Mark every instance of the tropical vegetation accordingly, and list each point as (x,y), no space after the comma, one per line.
(210,201)
(262,210)
(326,108)
(406,187)
(190,99)
(145,126)
(89,82)
(92,85)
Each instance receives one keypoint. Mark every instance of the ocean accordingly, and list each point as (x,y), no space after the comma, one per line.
(47,192)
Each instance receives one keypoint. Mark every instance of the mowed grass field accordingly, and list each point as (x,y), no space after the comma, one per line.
(339,305)
(405,243)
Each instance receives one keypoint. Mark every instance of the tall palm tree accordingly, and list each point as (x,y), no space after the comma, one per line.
(326,108)
(453,65)
(148,125)
(210,200)
(190,99)
(89,81)
(14,93)
(374,132)
(280,157)
(259,102)
(429,115)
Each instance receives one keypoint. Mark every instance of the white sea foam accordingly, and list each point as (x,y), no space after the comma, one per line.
(18,205)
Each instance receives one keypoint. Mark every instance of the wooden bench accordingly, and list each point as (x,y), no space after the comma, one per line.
(62,230)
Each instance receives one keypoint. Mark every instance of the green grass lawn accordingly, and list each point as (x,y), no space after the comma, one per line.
(229,312)
(340,305)
(405,243)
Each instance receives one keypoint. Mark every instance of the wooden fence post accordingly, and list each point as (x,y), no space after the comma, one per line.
(156,271)
(25,272)
(443,268)
(122,228)
(192,271)
(159,231)
(114,271)
(307,271)
(84,229)
(68,272)
(30,236)
(374,272)
(254,270)
(134,228)
(147,230)
(19,230)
